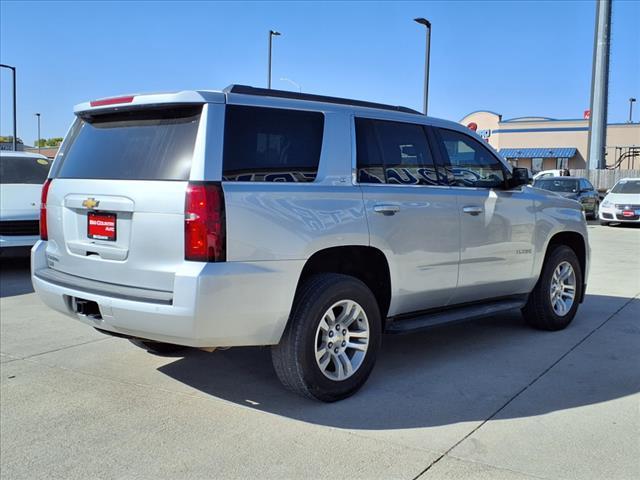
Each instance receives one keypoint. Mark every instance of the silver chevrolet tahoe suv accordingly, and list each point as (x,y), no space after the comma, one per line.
(308,223)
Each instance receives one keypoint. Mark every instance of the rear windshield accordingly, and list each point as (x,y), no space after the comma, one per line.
(152,144)
(627,186)
(271,144)
(567,186)
(24,170)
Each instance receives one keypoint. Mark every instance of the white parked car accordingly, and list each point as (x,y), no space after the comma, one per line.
(548,173)
(21,177)
(622,203)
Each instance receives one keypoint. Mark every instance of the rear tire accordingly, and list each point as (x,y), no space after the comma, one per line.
(319,358)
(554,301)
(158,348)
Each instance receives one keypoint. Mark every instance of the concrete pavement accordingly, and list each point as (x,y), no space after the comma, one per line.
(488,399)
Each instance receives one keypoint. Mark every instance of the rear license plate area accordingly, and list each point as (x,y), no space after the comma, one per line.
(101,226)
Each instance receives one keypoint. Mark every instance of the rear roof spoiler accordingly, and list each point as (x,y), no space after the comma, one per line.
(138,99)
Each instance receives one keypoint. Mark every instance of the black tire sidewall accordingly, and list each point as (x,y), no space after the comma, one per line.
(558,255)
(321,387)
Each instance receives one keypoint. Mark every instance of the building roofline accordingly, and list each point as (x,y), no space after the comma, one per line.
(483,111)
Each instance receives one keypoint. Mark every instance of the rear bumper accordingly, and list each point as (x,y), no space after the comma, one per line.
(7,241)
(213,304)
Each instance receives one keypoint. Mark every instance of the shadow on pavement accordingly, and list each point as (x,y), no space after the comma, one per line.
(15,276)
(447,375)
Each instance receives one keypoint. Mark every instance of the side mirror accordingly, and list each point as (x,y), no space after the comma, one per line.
(519,176)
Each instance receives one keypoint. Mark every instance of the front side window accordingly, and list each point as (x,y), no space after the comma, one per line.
(470,163)
(395,153)
(271,144)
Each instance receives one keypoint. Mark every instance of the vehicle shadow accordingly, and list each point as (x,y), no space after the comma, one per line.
(15,275)
(446,375)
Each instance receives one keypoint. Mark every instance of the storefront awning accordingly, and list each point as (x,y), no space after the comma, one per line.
(545,152)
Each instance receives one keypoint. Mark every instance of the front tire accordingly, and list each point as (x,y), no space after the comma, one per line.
(594,213)
(554,301)
(332,339)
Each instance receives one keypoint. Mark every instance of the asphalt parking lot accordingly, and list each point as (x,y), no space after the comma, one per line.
(491,399)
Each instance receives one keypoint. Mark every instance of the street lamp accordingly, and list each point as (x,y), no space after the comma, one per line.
(427,24)
(15,128)
(38,116)
(631,101)
(272,33)
(295,84)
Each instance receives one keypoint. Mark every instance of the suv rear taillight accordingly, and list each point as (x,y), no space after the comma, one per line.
(44,234)
(204,223)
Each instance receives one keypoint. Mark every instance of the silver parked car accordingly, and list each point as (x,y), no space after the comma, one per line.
(312,224)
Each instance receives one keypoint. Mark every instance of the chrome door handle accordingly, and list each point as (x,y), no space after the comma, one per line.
(386,209)
(472,210)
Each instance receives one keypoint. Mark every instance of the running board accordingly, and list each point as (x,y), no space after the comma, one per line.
(423,321)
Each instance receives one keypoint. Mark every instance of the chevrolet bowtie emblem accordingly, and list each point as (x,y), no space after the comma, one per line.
(91,203)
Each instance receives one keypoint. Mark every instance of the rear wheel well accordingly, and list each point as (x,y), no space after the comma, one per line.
(367,264)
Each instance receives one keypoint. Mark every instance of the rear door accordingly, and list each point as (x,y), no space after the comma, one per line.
(412,218)
(497,223)
(115,208)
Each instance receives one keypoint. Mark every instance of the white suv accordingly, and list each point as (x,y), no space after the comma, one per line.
(309,223)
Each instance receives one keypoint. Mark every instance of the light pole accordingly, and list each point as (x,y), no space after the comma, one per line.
(631,101)
(15,128)
(38,116)
(272,33)
(427,24)
(295,84)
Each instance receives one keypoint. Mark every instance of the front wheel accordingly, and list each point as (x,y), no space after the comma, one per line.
(554,301)
(332,339)
(594,213)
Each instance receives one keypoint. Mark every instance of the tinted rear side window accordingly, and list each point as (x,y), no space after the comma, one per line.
(271,145)
(154,144)
(24,170)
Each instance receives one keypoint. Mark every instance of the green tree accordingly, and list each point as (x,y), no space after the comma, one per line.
(54,142)
(9,139)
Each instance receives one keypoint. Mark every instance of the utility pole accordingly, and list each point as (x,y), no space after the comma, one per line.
(272,33)
(38,116)
(599,87)
(427,54)
(15,123)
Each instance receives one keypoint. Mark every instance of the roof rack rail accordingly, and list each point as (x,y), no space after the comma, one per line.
(266,92)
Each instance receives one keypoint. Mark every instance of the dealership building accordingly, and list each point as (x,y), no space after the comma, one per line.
(541,143)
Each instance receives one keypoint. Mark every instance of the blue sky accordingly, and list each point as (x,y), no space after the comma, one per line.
(515,58)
